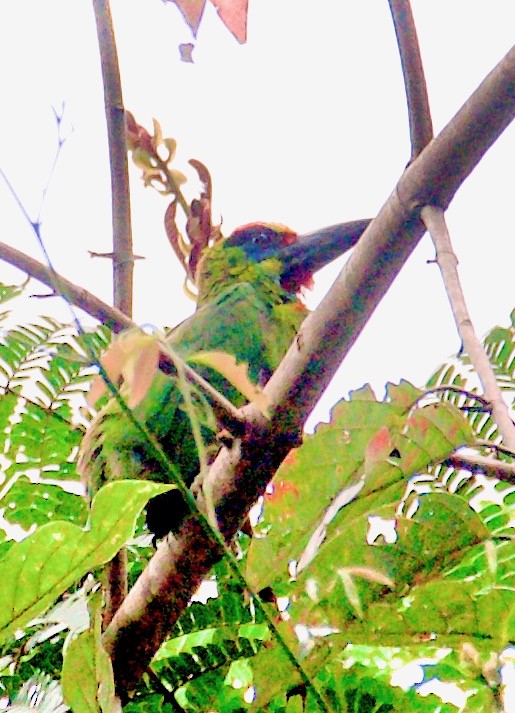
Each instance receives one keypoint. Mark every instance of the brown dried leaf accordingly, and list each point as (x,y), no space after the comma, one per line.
(131,362)
(158,133)
(186,52)
(171,147)
(235,373)
(192,12)
(142,159)
(205,177)
(180,248)
(178,177)
(233,14)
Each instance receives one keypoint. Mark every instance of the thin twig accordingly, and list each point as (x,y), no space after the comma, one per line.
(419,115)
(490,466)
(123,257)
(60,286)
(60,144)
(434,220)
(496,447)
(462,392)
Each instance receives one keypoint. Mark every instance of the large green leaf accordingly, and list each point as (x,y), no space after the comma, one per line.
(321,596)
(39,569)
(367,448)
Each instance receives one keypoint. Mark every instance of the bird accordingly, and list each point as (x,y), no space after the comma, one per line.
(248,306)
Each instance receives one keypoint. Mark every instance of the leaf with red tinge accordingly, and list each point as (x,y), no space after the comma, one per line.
(233,14)
(432,433)
(315,473)
(379,447)
(367,443)
(284,495)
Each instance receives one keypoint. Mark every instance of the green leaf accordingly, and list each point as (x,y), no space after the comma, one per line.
(87,676)
(367,448)
(29,503)
(39,569)
(9,292)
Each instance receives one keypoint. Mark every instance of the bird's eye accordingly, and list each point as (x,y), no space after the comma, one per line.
(259,238)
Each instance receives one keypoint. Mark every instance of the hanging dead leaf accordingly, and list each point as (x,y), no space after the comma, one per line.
(192,11)
(236,374)
(186,52)
(233,14)
(130,363)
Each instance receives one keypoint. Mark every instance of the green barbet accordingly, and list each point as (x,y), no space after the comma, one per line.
(248,306)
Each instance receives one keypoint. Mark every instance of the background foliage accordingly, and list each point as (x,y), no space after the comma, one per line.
(368,534)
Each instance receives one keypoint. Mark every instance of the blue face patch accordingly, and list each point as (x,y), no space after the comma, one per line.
(259,242)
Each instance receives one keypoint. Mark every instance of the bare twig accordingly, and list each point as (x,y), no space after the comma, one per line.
(239,475)
(447,262)
(462,392)
(421,127)
(481,464)
(421,133)
(80,297)
(123,257)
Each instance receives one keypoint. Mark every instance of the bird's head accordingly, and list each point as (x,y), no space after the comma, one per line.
(273,252)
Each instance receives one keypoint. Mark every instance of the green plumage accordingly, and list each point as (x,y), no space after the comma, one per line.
(243,311)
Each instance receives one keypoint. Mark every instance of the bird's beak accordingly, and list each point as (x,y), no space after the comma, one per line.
(312,251)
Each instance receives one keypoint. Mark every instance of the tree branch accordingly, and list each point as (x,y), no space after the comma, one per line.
(123,256)
(448,263)
(80,297)
(421,133)
(239,475)
(481,464)
(419,115)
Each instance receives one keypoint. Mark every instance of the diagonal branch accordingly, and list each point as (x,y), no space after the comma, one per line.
(434,218)
(115,320)
(60,286)
(239,475)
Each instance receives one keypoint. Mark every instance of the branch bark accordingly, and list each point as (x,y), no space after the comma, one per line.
(239,475)
(123,256)
(421,133)
(481,464)
(60,286)
(448,263)
(419,115)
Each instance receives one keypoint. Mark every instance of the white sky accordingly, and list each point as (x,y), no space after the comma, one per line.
(305,125)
